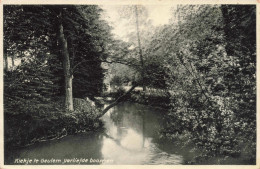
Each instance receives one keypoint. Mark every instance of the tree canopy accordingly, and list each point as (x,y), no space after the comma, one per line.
(204,59)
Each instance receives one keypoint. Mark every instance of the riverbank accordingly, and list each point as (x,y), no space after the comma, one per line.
(130,137)
(151,97)
(231,149)
(195,155)
(49,121)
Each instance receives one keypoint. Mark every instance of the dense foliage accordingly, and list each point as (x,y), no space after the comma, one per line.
(211,79)
(30,32)
(33,112)
(34,88)
(202,66)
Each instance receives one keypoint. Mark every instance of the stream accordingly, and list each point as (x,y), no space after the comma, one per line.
(131,136)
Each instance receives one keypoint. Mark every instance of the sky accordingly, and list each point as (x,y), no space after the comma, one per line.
(159,15)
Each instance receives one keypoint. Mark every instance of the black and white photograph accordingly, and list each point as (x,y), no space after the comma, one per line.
(129,84)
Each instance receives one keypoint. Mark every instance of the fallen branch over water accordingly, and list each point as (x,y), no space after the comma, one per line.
(117,100)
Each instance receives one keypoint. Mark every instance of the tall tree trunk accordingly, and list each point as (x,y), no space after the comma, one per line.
(12,62)
(140,49)
(66,68)
(6,61)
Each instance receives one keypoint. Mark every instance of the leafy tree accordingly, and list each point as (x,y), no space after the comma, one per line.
(53,43)
(89,52)
(203,79)
(137,34)
(78,28)
(240,34)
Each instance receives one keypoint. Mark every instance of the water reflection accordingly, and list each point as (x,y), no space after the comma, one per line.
(131,130)
(131,137)
(74,146)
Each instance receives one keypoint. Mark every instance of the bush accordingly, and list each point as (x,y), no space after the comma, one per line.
(47,122)
(32,112)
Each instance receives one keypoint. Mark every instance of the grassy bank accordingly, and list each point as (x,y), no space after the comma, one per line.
(33,123)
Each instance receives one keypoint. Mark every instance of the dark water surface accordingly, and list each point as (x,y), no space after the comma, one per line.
(131,136)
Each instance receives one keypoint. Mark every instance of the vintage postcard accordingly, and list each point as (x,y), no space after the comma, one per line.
(129,84)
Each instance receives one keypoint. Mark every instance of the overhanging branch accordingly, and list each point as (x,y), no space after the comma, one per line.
(117,100)
(121,62)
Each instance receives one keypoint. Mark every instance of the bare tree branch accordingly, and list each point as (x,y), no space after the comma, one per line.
(117,100)
(121,62)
